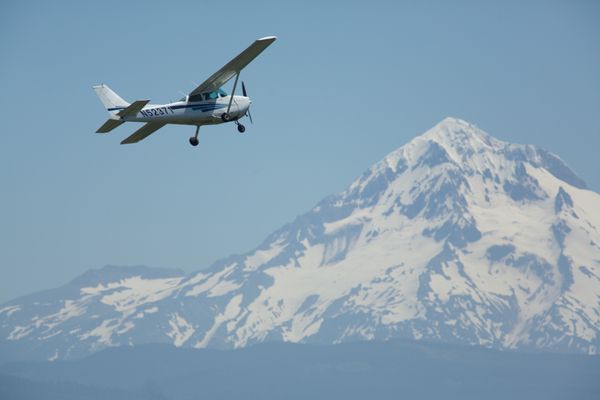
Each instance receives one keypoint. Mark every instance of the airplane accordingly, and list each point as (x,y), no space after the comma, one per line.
(208,104)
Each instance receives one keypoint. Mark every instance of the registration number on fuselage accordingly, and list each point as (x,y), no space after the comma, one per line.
(157,112)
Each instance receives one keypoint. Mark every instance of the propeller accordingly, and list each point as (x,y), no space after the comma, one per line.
(246,95)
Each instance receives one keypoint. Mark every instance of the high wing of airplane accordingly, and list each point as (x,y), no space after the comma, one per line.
(208,104)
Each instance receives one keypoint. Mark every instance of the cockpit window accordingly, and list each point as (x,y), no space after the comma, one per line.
(206,96)
(211,95)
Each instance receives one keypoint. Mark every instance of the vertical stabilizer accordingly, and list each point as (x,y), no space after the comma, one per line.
(112,101)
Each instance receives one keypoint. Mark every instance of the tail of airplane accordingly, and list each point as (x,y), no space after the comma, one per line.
(113,104)
(112,101)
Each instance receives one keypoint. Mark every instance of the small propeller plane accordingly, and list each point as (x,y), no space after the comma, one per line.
(208,104)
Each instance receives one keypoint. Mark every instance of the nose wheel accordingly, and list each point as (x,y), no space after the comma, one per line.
(241,128)
(194,139)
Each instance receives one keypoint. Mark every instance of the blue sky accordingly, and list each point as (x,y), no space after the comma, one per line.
(345,84)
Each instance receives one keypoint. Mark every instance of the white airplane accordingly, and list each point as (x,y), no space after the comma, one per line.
(208,104)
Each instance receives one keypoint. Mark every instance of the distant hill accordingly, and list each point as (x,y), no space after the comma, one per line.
(376,370)
(15,388)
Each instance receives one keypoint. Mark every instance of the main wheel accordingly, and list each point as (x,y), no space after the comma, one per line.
(225,117)
(241,128)
(194,141)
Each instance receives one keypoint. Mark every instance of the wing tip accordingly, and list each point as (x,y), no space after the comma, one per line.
(267,38)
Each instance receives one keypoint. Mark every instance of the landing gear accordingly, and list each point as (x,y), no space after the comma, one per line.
(194,139)
(225,117)
(241,128)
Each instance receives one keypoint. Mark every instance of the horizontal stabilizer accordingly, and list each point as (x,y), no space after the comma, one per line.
(133,108)
(143,132)
(109,125)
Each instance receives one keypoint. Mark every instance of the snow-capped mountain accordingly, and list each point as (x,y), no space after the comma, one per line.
(454,237)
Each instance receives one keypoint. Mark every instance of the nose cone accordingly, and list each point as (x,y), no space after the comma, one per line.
(245,104)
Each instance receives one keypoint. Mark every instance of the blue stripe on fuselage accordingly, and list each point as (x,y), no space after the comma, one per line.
(197,106)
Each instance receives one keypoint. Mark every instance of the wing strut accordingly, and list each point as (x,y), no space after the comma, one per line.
(225,117)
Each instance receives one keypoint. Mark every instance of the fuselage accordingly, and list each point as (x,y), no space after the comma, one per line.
(193,111)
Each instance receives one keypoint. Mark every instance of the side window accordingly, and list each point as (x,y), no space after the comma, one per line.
(195,97)
(210,96)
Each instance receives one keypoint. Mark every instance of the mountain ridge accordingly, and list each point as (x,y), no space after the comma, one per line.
(455,237)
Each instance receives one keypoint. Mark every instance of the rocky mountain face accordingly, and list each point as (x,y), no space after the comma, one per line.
(455,237)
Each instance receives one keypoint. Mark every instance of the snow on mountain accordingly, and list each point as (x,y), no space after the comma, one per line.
(455,237)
